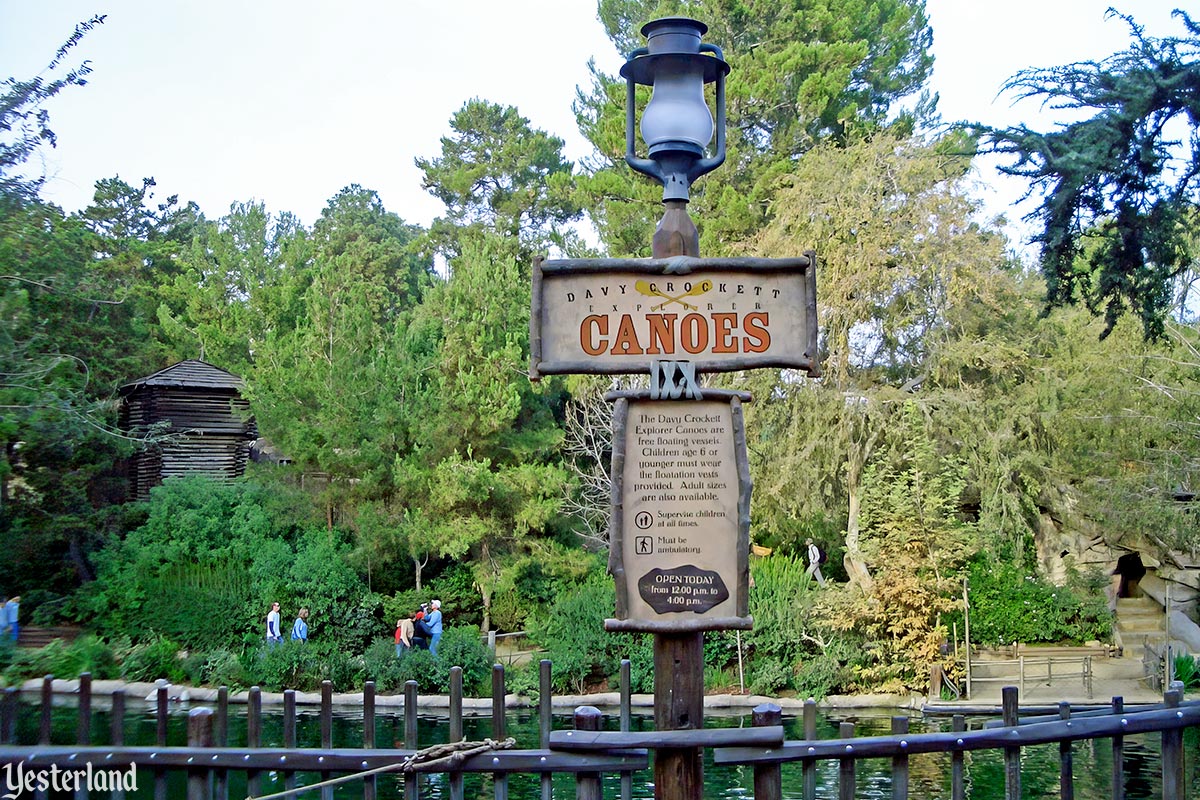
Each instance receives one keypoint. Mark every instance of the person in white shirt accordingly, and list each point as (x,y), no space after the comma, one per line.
(274,637)
(814,562)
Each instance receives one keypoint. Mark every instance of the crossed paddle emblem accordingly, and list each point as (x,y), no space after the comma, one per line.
(647,289)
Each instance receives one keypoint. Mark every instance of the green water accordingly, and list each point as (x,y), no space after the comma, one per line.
(929,773)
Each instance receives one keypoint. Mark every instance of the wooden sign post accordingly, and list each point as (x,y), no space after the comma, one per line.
(679,536)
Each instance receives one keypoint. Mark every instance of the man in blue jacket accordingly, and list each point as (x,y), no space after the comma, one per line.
(433,621)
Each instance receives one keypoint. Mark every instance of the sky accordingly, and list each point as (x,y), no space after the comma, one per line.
(288,101)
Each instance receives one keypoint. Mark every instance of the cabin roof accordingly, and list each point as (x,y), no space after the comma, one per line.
(190,374)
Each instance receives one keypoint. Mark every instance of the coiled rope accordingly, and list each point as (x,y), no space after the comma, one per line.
(435,758)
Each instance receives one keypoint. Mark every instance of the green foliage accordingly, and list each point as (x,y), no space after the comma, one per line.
(1187,671)
(420,666)
(62,660)
(805,73)
(1008,604)
(461,646)
(154,659)
(576,643)
(1120,178)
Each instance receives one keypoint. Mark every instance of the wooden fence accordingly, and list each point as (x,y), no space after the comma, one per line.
(584,752)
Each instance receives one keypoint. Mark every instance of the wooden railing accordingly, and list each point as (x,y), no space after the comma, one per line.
(584,752)
(1041,671)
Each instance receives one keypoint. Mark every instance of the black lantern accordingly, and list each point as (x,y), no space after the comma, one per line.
(677,125)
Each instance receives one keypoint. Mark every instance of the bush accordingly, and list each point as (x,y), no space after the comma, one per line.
(290,665)
(62,660)
(1187,671)
(462,647)
(152,660)
(1009,606)
(583,653)
(420,666)
(381,665)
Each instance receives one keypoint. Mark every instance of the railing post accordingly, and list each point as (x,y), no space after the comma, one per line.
(254,735)
(810,765)
(83,732)
(900,762)
(456,727)
(221,739)
(410,735)
(8,716)
(369,785)
(625,721)
(499,779)
(161,700)
(116,727)
(1012,755)
(289,733)
(1172,749)
(958,788)
(587,784)
(1066,763)
(546,721)
(326,732)
(47,704)
(768,778)
(1118,754)
(199,734)
(846,780)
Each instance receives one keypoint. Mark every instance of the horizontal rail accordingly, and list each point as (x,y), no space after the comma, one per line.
(309,760)
(1096,712)
(1019,736)
(771,736)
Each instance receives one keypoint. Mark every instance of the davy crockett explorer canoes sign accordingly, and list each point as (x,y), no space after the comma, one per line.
(612,316)
(679,534)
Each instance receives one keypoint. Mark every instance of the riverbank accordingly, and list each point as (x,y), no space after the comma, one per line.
(190,694)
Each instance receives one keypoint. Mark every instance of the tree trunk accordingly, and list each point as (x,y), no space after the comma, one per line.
(856,567)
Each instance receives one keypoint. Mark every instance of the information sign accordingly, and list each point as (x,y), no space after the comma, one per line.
(679,535)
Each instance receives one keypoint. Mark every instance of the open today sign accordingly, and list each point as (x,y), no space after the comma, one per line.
(613,316)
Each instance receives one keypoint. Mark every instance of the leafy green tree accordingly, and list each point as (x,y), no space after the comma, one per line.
(1120,177)
(804,72)
(241,278)
(900,260)
(330,379)
(498,173)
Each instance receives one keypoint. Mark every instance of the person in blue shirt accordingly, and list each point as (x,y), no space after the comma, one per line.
(433,621)
(11,610)
(300,626)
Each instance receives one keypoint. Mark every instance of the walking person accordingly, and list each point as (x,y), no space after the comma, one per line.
(274,637)
(300,626)
(433,621)
(11,616)
(816,556)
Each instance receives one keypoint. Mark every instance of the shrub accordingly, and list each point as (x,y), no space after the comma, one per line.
(461,647)
(290,665)
(381,665)
(62,660)
(1008,605)
(1187,671)
(152,660)
(420,666)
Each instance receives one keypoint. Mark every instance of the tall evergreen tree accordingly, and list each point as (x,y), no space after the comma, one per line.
(1122,178)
